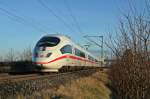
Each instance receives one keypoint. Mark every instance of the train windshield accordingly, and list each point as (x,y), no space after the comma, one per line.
(48,42)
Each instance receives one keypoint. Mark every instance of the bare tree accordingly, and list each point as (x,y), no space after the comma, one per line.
(1,59)
(11,56)
(130,73)
(26,55)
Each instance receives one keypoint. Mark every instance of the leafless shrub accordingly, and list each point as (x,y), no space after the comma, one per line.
(1,59)
(26,55)
(14,55)
(130,73)
(17,61)
(10,56)
(130,76)
(23,63)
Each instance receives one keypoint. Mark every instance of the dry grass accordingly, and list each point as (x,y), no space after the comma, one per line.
(91,87)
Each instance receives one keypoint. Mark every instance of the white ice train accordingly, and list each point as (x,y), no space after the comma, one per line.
(54,53)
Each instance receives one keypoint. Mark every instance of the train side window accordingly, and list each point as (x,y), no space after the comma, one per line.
(96,60)
(66,49)
(91,58)
(82,54)
(88,57)
(79,53)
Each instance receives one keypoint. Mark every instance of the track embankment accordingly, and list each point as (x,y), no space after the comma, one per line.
(27,85)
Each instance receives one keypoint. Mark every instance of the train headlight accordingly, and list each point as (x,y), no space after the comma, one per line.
(48,55)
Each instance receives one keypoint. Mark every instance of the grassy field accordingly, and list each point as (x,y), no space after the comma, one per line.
(91,87)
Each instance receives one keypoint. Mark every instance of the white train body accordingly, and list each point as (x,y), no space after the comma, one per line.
(54,52)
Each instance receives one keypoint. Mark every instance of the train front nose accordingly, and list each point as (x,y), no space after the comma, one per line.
(43,51)
(42,55)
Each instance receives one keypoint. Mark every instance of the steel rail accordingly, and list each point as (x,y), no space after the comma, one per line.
(17,78)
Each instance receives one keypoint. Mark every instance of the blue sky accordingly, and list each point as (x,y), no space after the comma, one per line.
(95,17)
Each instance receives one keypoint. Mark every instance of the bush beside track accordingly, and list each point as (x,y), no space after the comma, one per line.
(18,66)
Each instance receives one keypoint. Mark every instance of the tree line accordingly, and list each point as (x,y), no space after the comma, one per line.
(14,56)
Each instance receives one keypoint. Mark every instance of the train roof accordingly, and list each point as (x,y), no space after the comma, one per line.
(57,35)
(72,42)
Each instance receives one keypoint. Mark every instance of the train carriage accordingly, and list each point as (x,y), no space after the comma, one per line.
(53,53)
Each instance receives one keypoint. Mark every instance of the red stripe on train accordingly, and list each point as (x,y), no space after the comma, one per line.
(65,56)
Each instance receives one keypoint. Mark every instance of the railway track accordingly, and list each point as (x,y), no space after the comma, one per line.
(15,78)
(28,84)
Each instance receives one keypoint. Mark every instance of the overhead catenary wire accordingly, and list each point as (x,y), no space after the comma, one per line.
(20,19)
(73,16)
(54,14)
(80,31)
(13,15)
(51,12)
